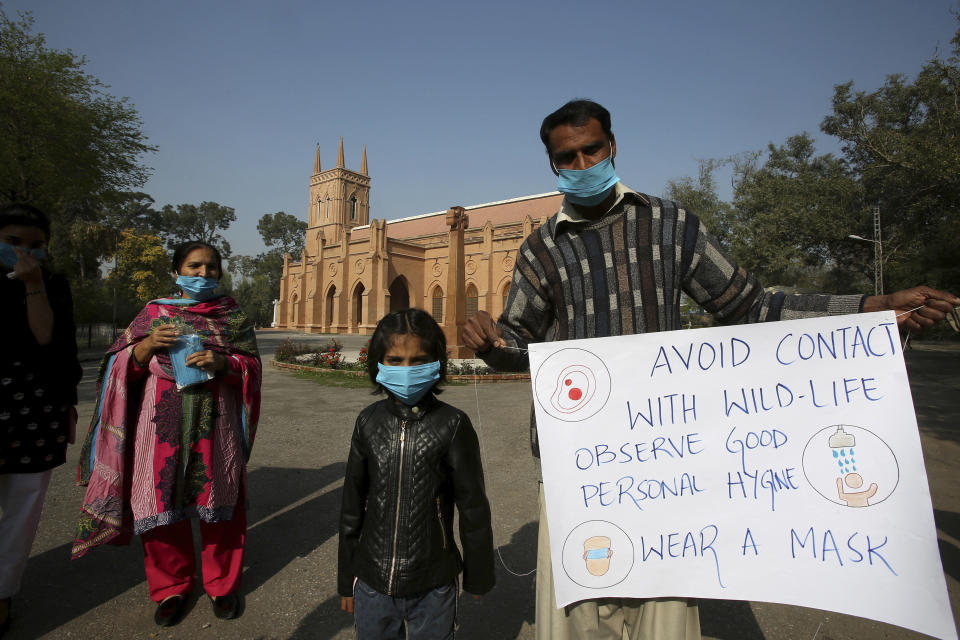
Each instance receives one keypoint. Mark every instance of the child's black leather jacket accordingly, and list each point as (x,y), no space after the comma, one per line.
(407,468)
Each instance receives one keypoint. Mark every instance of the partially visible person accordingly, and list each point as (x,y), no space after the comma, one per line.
(159,454)
(39,372)
(412,458)
(611,262)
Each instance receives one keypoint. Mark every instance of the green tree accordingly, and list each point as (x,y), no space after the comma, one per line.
(117,212)
(700,197)
(258,284)
(256,295)
(903,140)
(70,148)
(143,268)
(286,232)
(792,215)
(129,210)
(66,142)
(204,222)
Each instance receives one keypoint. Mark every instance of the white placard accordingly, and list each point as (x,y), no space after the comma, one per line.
(778,462)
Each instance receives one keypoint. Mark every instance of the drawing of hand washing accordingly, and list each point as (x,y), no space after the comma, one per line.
(842,445)
(597,554)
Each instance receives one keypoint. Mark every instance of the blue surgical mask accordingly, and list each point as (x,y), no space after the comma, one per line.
(197,287)
(8,257)
(590,186)
(409,384)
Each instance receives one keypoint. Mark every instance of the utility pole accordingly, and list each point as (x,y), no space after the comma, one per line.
(877,251)
(116,261)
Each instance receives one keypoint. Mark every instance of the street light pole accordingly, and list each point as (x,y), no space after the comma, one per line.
(116,263)
(877,252)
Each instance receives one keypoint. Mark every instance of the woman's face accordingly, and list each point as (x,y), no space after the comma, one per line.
(200,262)
(23,237)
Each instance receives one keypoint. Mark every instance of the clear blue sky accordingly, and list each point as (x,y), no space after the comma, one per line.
(448,96)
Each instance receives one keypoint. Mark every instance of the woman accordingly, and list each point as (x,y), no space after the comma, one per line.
(39,373)
(157,455)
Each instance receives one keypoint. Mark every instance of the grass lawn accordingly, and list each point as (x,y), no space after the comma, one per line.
(333,378)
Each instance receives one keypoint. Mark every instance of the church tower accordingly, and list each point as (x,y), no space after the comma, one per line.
(339,199)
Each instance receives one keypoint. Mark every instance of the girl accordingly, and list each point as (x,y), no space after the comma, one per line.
(411,459)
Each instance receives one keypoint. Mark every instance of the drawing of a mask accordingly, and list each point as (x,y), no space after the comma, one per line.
(597,554)
(576,385)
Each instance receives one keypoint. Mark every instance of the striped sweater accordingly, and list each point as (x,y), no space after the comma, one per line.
(623,274)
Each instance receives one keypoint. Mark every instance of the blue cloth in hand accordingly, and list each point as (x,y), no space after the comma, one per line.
(184,374)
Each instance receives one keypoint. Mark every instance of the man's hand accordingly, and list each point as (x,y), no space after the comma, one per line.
(346,604)
(481,333)
(933,306)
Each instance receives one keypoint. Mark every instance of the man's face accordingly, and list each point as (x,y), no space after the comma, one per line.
(579,147)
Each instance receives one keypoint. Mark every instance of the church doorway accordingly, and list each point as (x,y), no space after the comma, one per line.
(328,318)
(399,294)
(357,307)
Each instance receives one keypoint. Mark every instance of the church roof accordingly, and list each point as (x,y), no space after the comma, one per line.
(500,212)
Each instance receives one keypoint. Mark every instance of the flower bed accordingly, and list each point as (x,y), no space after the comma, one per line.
(300,356)
(474,377)
(327,356)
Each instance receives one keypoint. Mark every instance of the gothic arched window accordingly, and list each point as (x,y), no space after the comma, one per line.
(438,305)
(472,301)
(353,207)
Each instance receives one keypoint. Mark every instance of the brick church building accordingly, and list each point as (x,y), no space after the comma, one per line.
(354,270)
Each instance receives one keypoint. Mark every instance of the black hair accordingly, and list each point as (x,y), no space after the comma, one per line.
(415,322)
(576,113)
(182,250)
(26,215)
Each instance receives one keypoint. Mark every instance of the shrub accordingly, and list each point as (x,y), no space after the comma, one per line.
(288,351)
(467,369)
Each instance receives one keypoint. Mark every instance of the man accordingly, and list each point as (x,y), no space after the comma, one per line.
(614,261)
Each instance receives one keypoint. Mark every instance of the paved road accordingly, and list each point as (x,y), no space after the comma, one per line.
(294,479)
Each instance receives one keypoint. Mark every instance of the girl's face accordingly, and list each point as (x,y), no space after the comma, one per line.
(18,235)
(406,350)
(200,262)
